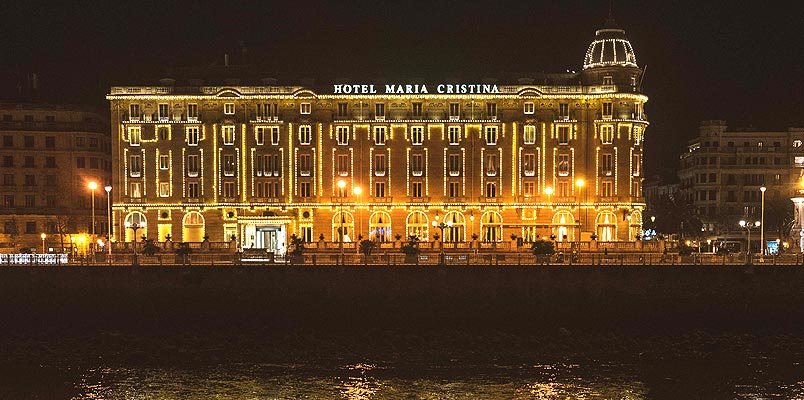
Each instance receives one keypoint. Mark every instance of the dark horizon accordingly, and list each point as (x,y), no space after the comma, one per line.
(703,60)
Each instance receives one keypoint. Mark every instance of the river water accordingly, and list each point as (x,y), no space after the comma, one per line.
(402,364)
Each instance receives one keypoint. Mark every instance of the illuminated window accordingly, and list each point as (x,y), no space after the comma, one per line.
(491,135)
(136,190)
(454,233)
(454,135)
(417,109)
(607,109)
(606,227)
(529,134)
(563,135)
(454,189)
(796,143)
(342,135)
(492,166)
(379,135)
(417,164)
(606,134)
(228,132)
(259,135)
(636,161)
(229,164)
(417,225)
(528,188)
(529,164)
(342,226)
(417,135)
(134,135)
(379,165)
(491,189)
(563,111)
(491,227)
(343,110)
(380,226)
(416,189)
(229,189)
(606,188)
(530,108)
(192,136)
(305,134)
(379,111)
(228,108)
(192,112)
(305,164)
(563,165)
(164,189)
(192,165)
(135,165)
(491,110)
(274,131)
(606,164)
(163,133)
(164,112)
(274,166)
(267,112)
(343,164)
(454,164)
(192,190)
(379,189)
(306,108)
(164,161)
(454,111)
(563,189)
(134,112)
(608,80)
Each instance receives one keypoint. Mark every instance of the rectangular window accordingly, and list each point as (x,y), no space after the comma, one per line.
(563,189)
(417,164)
(379,135)
(8,141)
(164,112)
(607,109)
(28,141)
(135,165)
(528,188)
(8,201)
(343,164)
(134,112)
(81,162)
(164,189)
(416,109)
(491,111)
(417,135)
(563,165)
(229,189)
(530,108)
(164,161)
(606,134)
(529,134)
(454,111)
(491,189)
(192,136)
(192,190)
(229,165)
(563,111)
(379,189)
(454,135)
(637,161)
(416,189)
(343,110)
(305,189)
(8,161)
(274,167)
(529,164)
(261,166)
(606,189)
(454,164)
(306,108)
(228,108)
(30,180)
(192,112)
(274,133)
(8,179)
(50,142)
(608,80)
(80,141)
(379,111)
(305,134)
(491,135)
(193,165)
(30,227)
(305,164)
(136,190)
(342,135)
(492,168)
(93,162)
(454,189)
(563,135)
(380,166)
(606,164)
(134,136)
(50,162)
(228,132)
(259,134)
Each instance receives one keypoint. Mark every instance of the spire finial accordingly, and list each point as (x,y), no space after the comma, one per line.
(610,23)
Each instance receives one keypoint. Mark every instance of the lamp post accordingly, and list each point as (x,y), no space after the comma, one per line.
(579,183)
(341,185)
(748,226)
(441,225)
(43,236)
(135,228)
(762,226)
(358,190)
(109,217)
(92,186)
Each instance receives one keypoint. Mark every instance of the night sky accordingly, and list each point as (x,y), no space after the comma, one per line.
(705,60)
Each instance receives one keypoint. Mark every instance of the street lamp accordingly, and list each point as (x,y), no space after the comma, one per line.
(762,227)
(341,185)
(748,226)
(43,236)
(92,186)
(441,225)
(579,183)
(109,217)
(135,227)
(358,190)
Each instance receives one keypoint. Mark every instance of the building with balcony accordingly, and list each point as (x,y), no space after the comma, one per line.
(48,155)
(256,163)
(723,169)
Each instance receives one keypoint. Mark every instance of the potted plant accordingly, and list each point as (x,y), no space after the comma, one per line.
(366,247)
(149,248)
(183,253)
(411,250)
(543,249)
(296,250)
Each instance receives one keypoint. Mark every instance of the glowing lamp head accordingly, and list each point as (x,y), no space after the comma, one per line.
(548,190)
(358,190)
(434,224)
(93,185)
(579,183)
(43,236)
(108,189)
(756,223)
(341,184)
(742,223)
(127,224)
(449,223)
(762,189)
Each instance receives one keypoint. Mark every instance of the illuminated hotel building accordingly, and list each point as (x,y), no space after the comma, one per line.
(260,163)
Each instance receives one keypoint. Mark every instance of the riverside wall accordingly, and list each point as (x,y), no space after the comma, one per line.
(57,299)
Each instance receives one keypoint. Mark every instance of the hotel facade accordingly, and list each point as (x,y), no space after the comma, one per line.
(555,154)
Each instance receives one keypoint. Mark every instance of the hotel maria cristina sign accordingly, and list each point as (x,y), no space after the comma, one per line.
(441,88)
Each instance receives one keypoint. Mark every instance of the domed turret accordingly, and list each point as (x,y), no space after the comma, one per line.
(610,48)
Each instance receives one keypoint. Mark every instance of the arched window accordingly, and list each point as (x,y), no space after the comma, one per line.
(193,227)
(606,223)
(135,218)
(564,226)
(343,224)
(635,225)
(491,227)
(454,233)
(417,225)
(380,226)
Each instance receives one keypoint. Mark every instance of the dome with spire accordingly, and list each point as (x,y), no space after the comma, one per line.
(610,48)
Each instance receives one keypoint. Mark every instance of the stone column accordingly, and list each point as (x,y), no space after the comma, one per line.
(797,233)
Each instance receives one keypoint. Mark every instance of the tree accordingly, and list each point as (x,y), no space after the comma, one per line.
(367,246)
(411,250)
(778,216)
